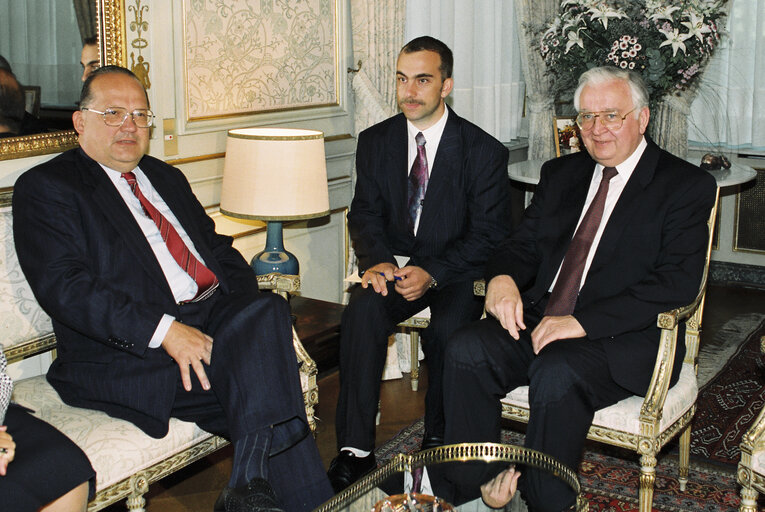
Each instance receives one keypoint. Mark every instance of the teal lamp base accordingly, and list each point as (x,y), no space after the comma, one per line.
(274,258)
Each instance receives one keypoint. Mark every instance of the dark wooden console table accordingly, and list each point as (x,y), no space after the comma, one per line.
(317,323)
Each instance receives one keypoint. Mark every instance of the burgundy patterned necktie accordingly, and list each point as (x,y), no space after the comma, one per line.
(418,181)
(203,276)
(566,289)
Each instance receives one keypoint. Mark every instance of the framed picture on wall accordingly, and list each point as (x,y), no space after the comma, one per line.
(567,138)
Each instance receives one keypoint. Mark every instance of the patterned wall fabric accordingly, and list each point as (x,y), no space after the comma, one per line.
(244,56)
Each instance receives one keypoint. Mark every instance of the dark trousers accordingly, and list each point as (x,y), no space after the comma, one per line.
(255,385)
(568,381)
(367,323)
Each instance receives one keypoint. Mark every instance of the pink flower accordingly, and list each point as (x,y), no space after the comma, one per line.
(623,64)
(632,65)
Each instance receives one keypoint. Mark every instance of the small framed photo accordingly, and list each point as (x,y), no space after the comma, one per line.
(567,137)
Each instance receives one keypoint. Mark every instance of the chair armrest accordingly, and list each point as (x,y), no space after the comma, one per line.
(279,283)
(754,438)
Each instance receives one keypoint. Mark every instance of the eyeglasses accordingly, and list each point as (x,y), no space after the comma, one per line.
(115,116)
(608,118)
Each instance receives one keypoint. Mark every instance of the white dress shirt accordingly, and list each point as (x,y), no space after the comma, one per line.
(181,283)
(615,188)
(432,139)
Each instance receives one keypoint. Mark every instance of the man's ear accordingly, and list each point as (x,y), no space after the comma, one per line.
(78,121)
(446,87)
(645,115)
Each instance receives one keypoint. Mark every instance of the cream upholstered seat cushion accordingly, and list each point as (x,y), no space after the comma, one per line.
(117,449)
(624,415)
(758,462)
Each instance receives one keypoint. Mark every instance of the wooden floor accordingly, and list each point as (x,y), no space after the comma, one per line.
(196,488)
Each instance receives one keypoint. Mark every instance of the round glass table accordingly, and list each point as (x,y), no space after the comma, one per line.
(364,494)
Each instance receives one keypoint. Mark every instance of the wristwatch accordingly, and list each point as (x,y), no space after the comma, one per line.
(433,283)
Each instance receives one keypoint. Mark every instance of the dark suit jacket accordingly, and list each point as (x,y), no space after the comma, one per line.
(649,259)
(466,209)
(93,272)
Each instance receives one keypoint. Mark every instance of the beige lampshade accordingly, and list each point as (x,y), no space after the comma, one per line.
(275,174)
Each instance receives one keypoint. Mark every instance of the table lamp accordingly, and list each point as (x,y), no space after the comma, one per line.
(274,175)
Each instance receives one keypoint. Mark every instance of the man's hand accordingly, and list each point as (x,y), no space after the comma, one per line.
(378,276)
(189,346)
(7,450)
(414,282)
(503,302)
(498,492)
(553,328)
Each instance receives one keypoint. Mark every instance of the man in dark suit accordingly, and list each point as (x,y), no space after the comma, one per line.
(443,217)
(611,238)
(155,314)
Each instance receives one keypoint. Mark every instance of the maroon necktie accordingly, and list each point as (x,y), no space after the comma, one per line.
(418,181)
(203,276)
(566,289)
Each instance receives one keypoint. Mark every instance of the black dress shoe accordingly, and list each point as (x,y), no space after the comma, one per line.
(256,496)
(346,468)
(432,442)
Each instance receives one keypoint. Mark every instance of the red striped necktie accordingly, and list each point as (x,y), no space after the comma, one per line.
(203,276)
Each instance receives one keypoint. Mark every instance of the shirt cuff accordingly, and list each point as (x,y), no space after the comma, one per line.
(161,331)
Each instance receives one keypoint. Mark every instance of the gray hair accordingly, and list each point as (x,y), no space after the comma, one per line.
(603,74)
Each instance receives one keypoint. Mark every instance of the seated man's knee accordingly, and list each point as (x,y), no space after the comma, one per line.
(465,347)
(551,374)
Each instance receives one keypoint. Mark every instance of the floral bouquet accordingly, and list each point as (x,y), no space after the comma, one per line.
(667,42)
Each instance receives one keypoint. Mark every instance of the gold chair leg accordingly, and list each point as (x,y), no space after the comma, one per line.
(685,453)
(748,500)
(414,345)
(379,412)
(647,477)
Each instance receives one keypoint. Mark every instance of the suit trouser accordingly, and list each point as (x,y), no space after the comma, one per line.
(255,385)
(367,322)
(568,381)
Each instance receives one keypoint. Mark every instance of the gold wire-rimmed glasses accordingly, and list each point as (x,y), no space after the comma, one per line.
(608,118)
(116,116)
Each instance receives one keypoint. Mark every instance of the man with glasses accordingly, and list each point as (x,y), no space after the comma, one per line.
(155,314)
(612,237)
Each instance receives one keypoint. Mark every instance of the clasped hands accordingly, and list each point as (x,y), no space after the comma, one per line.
(503,302)
(411,282)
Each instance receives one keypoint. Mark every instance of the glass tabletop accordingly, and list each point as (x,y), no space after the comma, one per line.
(364,494)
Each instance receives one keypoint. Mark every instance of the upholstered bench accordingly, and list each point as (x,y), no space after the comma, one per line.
(125,459)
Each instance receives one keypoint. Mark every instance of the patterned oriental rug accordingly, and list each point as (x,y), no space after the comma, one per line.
(732,395)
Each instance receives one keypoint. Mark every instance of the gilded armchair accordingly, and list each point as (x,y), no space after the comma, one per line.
(646,424)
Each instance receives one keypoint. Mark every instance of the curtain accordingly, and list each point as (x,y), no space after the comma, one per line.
(727,110)
(41,41)
(85,10)
(488,82)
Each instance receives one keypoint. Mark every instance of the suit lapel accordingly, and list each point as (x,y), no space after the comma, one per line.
(445,166)
(574,182)
(625,207)
(108,200)
(397,170)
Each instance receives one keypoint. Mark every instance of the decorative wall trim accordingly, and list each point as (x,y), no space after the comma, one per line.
(192,159)
(722,272)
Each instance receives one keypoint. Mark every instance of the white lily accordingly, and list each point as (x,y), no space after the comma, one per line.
(573,39)
(696,26)
(602,13)
(663,12)
(675,38)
